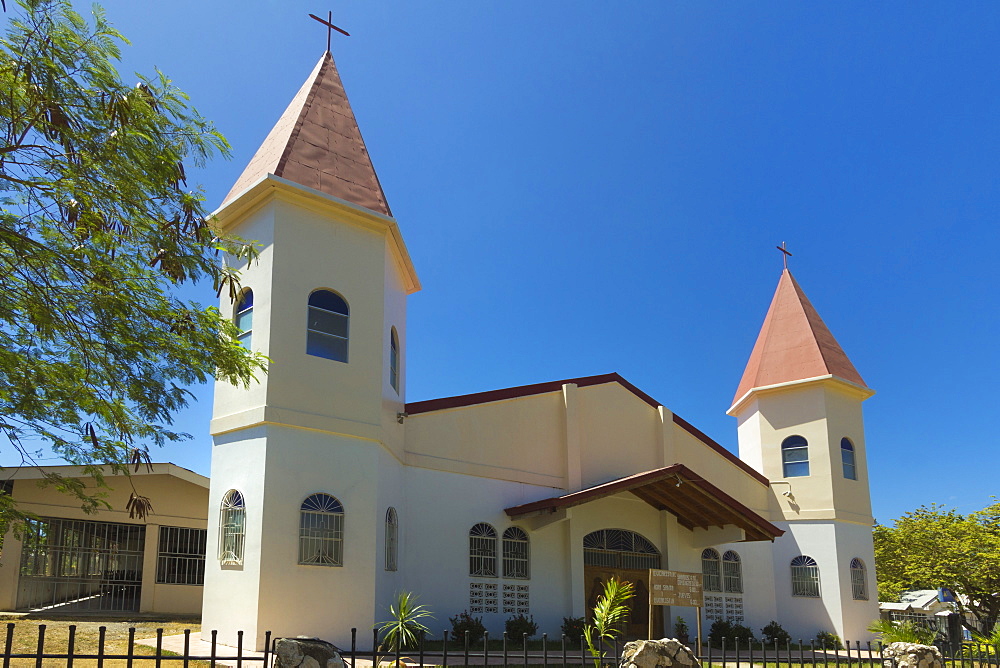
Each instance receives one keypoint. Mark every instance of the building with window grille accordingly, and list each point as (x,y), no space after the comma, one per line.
(70,562)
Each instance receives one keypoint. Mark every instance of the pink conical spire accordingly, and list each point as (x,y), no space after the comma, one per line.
(794,344)
(317,143)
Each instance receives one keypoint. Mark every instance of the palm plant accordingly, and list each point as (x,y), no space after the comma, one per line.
(890,632)
(404,629)
(611,610)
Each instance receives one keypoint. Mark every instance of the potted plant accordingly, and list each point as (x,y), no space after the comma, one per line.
(681,630)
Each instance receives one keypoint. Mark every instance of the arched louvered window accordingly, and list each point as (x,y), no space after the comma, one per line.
(394,360)
(328,324)
(483,551)
(859,580)
(515,553)
(805,576)
(847,456)
(232,528)
(732,573)
(321,531)
(619,548)
(795,457)
(391,538)
(711,571)
(244,317)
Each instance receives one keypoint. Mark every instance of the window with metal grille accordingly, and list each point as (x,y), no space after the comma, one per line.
(619,548)
(732,573)
(232,529)
(515,553)
(805,576)
(394,360)
(859,581)
(795,457)
(180,556)
(847,456)
(483,551)
(391,535)
(327,327)
(321,531)
(711,575)
(244,317)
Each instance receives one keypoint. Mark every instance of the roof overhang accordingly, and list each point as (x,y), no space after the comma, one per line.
(697,503)
(73,471)
(860,391)
(270,186)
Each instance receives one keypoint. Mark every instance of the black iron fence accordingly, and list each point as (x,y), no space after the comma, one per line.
(463,651)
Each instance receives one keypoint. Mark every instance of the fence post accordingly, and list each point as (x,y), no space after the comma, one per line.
(215,635)
(486,648)
(159,646)
(354,646)
(239,649)
(466,648)
(444,648)
(422,634)
(375,648)
(41,645)
(10,640)
(187,648)
(524,648)
(545,649)
(504,649)
(70,645)
(101,633)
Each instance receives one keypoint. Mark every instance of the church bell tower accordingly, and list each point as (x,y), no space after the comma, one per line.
(305,460)
(798,407)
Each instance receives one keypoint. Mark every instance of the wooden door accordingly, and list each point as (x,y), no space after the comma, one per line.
(638,619)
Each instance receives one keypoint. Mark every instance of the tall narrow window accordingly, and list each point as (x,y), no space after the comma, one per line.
(321,531)
(515,553)
(483,551)
(795,457)
(805,576)
(859,581)
(391,537)
(732,573)
(329,317)
(710,570)
(847,455)
(394,360)
(232,528)
(244,317)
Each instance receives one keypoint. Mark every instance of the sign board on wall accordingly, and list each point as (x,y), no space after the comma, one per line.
(675,588)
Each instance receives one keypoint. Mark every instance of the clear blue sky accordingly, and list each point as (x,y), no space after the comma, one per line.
(591,187)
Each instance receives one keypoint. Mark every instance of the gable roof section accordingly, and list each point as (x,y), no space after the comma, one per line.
(794,344)
(317,143)
(676,489)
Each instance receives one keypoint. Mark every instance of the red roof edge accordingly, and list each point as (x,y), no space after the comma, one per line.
(700,435)
(524,391)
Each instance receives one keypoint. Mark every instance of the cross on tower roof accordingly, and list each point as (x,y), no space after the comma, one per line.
(786,255)
(329,27)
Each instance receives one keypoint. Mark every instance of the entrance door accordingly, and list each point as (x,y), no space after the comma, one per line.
(627,556)
(76,565)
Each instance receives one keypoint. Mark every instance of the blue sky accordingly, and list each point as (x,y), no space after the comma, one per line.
(591,187)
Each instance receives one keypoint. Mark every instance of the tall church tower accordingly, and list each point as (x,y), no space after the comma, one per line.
(798,407)
(306,461)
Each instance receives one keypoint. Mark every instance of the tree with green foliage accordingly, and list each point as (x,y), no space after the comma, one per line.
(610,613)
(404,629)
(97,231)
(932,547)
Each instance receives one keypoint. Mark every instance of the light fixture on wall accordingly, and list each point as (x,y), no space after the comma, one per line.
(680,480)
(401,416)
(788,492)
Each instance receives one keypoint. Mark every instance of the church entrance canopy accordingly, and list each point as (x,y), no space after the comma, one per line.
(676,489)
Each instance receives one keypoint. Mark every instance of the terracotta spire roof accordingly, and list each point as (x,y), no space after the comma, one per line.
(317,143)
(794,344)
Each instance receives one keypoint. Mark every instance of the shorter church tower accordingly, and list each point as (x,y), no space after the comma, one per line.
(798,407)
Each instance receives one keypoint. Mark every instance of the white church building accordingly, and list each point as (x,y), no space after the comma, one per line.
(330,493)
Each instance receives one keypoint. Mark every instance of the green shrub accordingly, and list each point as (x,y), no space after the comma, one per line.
(828,640)
(890,632)
(723,629)
(773,633)
(466,622)
(519,626)
(680,628)
(572,628)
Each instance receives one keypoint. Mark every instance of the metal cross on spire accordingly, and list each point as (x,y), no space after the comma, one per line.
(329,28)
(786,255)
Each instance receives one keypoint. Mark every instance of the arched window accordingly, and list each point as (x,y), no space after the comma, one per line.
(232,528)
(244,317)
(805,576)
(394,360)
(329,317)
(619,548)
(711,573)
(321,531)
(515,553)
(483,551)
(732,573)
(847,455)
(859,580)
(391,536)
(795,457)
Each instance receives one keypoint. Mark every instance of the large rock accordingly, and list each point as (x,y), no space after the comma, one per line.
(911,655)
(657,653)
(305,652)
